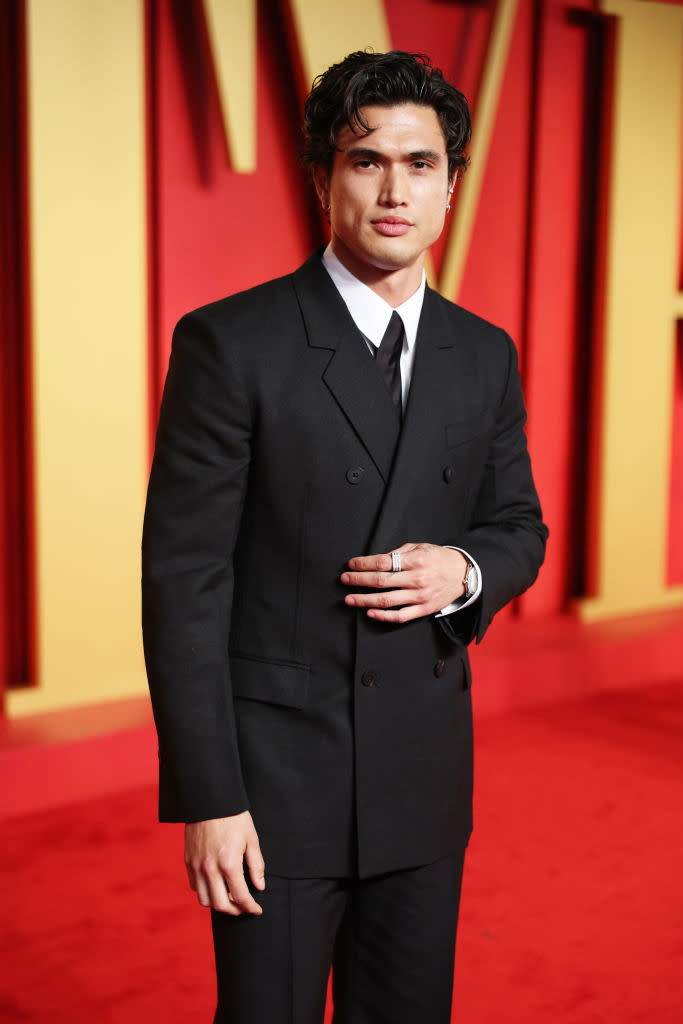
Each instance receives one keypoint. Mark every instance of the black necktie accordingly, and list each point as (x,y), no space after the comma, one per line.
(388,358)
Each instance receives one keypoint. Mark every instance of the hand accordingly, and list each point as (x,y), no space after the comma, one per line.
(214,855)
(431,578)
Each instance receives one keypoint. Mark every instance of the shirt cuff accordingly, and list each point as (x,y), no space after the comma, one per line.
(462,602)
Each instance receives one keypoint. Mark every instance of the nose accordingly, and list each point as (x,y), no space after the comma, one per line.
(393,191)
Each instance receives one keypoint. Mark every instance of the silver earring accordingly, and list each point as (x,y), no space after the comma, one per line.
(325,205)
(448,207)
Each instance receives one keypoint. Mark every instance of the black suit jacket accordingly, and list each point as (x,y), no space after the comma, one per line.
(277,458)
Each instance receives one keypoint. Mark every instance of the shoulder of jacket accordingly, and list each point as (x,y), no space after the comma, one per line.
(488,339)
(465,319)
(262,302)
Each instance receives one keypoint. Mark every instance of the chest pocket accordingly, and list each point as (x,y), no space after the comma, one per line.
(468,429)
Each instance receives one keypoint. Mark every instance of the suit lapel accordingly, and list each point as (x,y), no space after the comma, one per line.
(350,375)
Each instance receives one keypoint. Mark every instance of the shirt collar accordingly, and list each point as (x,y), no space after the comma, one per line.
(369,311)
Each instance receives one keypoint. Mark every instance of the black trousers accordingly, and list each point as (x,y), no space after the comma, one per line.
(390,940)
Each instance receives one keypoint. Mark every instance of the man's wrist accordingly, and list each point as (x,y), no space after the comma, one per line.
(470,583)
(463,601)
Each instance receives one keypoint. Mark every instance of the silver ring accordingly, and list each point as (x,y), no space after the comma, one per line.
(395,561)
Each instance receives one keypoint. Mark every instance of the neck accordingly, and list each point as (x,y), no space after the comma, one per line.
(394,286)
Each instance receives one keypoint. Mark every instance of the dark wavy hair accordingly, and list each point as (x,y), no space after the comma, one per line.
(381,79)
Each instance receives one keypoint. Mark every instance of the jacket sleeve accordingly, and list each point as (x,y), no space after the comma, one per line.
(194,502)
(506,535)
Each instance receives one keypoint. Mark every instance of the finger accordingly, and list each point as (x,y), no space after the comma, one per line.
(240,895)
(381,562)
(387,599)
(255,863)
(202,890)
(370,563)
(404,614)
(219,898)
(191,876)
(376,579)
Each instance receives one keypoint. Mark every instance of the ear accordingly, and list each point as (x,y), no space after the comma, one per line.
(322,183)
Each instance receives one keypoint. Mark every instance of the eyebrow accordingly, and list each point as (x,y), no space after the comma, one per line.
(374,154)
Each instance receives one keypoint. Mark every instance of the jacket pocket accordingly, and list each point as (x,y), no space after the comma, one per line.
(458,673)
(269,681)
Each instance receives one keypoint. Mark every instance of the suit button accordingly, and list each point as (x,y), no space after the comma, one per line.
(369,679)
(439,668)
(355,474)
(447,474)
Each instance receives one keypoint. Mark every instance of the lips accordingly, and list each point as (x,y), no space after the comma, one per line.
(391,226)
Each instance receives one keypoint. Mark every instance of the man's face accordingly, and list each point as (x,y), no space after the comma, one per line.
(388,191)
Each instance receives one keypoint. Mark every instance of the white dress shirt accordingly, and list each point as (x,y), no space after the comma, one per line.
(371,315)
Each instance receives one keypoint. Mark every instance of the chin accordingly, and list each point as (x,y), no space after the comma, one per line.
(397,262)
(393,257)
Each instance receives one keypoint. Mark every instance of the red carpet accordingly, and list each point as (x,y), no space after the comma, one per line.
(572,905)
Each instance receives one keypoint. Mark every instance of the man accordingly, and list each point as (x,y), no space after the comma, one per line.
(340,501)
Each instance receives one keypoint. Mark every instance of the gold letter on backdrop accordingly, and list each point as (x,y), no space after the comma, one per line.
(86,102)
(231,25)
(462,224)
(642,304)
(326,32)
